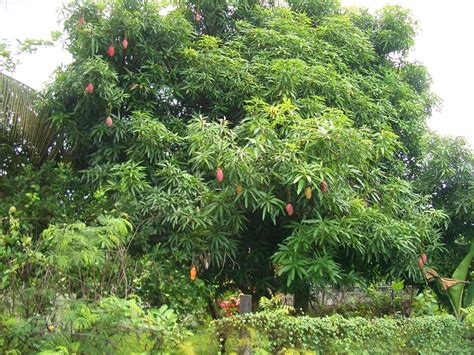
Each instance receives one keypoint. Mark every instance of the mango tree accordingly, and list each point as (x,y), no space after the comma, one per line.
(270,147)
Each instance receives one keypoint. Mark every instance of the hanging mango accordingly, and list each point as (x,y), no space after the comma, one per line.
(420,263)
(324,186)
(238,189)
(424,258)
(219,175)
(111,51)
(89,88)
(193,273)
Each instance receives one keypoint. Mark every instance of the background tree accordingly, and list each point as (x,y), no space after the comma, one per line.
(446,173)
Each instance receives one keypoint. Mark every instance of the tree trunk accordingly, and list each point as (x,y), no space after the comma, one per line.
(301,298)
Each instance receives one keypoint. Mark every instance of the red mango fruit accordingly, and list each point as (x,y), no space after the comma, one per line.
(111,51)
(109,122)
(90,88)
(219,175)
(289,209)
(124,43)
(421,263)
(193,273)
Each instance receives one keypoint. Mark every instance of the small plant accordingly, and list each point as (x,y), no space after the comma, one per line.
(336,334)
(468,314)
(229,303)
(275,304)
(454,287)
(426,304)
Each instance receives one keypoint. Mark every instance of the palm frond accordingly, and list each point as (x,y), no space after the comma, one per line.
(22,123)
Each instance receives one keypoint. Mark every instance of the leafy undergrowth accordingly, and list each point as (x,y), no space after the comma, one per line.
(275,333)
(110,326)
(203,341)
(122,327)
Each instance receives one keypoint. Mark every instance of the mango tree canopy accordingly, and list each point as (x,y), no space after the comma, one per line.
(282,100)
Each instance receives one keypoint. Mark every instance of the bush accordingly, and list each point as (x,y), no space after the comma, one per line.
(70,290)
(335,334)
(165,279)
(372,302)
(111,325)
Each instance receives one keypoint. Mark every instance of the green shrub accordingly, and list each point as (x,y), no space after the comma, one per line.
(70,290)
(109,326)
(335,334)
(165,279)
(203,341)
(426,304)
(371,302)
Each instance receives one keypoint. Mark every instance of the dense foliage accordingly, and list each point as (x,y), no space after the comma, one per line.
(283,105)
(221,147)
(273,332)
(60,291)
(446,173)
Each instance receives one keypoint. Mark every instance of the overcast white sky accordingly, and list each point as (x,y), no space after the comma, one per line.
(444,44)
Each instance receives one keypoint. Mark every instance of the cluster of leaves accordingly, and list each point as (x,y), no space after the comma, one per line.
(275,304)
(454,292)
(367,302)
(426,304)
(9,57)
(446,173)
(336,334)
(49,194)
(50,281)
(204,217)
(74,260)
(109,325)
(164,279)
(468,313)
